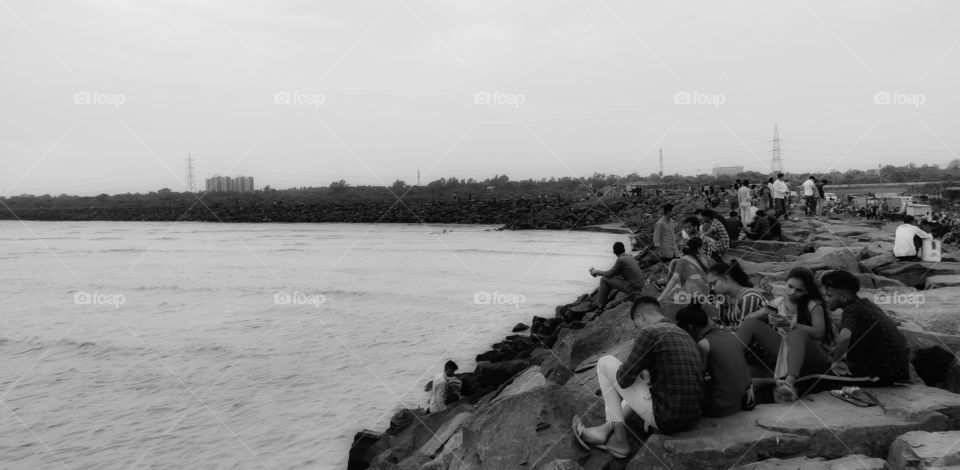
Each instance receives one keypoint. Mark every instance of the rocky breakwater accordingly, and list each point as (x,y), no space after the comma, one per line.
(524,392)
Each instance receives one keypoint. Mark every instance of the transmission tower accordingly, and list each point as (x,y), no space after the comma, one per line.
(777,165)
(191,187)
(661,163)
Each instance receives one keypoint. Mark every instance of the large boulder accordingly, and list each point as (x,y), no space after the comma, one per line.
(942,280)
(524,431)
(876,262)
(915,274)
(830,258)
(933,310)
(821,426)
(921,449)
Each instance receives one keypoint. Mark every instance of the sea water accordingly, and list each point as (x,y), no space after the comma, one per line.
(204,345)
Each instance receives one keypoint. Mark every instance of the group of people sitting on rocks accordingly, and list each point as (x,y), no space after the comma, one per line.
(697,363)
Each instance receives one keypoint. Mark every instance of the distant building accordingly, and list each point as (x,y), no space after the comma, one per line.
(727,170)
(222,184)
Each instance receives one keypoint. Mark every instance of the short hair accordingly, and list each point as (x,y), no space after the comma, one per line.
(618,248)
(779,175)
(710,214)
(667,208)
(734,214)
(692,220)
(908,219)
(643,300)
(451,365)
(841,280)
(770,180)
(746,183)
(692,316)
(823,181)
(813,177)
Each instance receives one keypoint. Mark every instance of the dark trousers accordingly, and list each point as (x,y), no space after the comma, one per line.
(780,206)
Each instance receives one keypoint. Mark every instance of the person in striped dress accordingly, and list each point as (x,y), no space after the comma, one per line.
(740,297)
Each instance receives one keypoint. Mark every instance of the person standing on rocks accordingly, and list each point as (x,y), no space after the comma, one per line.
(744,198)
(809,195)
(909,240)
(726,374)
(661,381)
(780,190)
(624,276)
(665,236)
(794,331)
(868,340)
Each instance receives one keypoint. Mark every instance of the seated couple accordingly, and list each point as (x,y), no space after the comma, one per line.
(796,333)
(662,381)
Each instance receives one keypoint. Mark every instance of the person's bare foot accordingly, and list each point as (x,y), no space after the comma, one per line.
(596,434)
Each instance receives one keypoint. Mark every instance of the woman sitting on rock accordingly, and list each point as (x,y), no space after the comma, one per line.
(740,297)
(794,331)
(689,273)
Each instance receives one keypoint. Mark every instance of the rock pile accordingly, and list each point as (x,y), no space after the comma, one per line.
(525,390)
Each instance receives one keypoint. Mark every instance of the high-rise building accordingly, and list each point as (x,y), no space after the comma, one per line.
(222,184)
(727,170)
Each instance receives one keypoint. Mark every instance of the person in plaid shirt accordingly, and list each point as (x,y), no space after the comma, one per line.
(716,230)
(661,381)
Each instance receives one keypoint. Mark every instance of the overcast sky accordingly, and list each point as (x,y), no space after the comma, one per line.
(111,96)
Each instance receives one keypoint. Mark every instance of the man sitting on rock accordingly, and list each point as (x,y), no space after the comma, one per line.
(661,381)
(715,230)
(629,276)
(445,388)
(726,373)
(907,246)
(868,339)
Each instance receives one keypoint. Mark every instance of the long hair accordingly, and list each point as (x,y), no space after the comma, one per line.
(805,275)
(734,270)
(693,250)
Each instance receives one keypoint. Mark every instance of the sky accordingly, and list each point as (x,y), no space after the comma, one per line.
(111,96)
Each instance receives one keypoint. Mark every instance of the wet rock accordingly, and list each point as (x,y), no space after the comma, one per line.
(921,449)
(520,327)
(496,374)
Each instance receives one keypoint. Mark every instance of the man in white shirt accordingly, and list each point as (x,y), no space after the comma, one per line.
(809,189)
(780,190)
(909,239)
(439,391)
(743,197)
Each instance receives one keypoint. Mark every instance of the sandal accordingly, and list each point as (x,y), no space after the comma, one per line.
(784,391)
(578,428)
